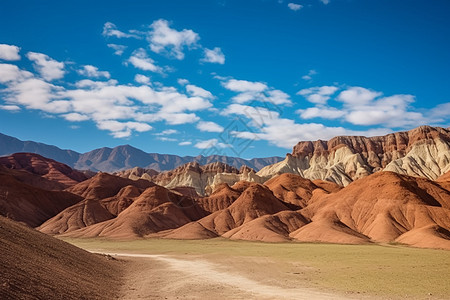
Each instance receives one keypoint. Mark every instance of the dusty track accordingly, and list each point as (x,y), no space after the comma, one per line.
(166,277)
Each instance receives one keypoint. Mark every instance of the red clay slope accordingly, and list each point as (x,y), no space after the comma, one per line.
(156,209)
(382,207)
(106,196)
(29,204)
(62,175)
(36,266)
(255,201)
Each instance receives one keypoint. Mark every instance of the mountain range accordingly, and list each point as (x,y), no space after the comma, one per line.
(122,157)
(396,189)
(420,152)
(379,208)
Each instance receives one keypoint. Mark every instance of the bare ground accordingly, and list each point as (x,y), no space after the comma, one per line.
(169,277)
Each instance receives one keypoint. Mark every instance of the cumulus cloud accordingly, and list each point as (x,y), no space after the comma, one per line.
(320,112)
(196,91)
(9,52)
(182,81)
(357,96)
(186,143)
(118,49)
(122,129)
(140,60)
(294,6)
(214,56)
(209,126)
(10,107)
(120,109)
(362,106)
(49,68)
(142,79)
(164,39)
(91,71)
(167,132)
(210,143)
(254,91)
(318,94)
(244,86)
(75,117)
(10,73)
(110,30)
(309,75)
(285,133)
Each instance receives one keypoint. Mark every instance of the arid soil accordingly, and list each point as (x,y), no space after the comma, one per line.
(36,266)
(168,277)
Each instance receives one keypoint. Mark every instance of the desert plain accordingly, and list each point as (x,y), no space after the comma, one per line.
(227,269)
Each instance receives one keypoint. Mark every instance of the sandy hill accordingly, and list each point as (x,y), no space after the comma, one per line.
(28,204)
(383,207)
(36,266)
(156,209)
(295,190)
(104,197)
(104,185)
(255,201)
(58,175)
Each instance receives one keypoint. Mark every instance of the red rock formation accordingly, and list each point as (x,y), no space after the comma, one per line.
(62,175)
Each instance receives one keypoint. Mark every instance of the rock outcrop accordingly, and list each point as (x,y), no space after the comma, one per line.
(423,152)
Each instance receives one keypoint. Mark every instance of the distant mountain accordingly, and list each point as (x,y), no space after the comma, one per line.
(122,157)
(10,145)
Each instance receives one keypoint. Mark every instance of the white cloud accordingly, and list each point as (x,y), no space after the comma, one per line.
(49,68)
(187,143)
(140,60)
(166,139)
(110,30)
(206,144)
(121,109)
(244,86)
(320,112)
(390,111)
(164,39)
(209,126)
(441,111)
(285,133)
(9,73)
(319,94)
(88,83)
(75,117)
(363,107)
(309,75)
(118,49)
(122,129)
(254,91)
(10,107)
(142,79)
(9,52)
(167,132)
(325,1)
(91,71)
(214,56)
(196,91)
(210,143)
(357,96)
(294,6)
(182,81)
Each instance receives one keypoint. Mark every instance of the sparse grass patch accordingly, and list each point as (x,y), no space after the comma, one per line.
(380,270)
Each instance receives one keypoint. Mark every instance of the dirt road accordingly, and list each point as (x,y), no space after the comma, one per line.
(167,277)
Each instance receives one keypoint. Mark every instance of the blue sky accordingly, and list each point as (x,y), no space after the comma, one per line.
(239,78)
